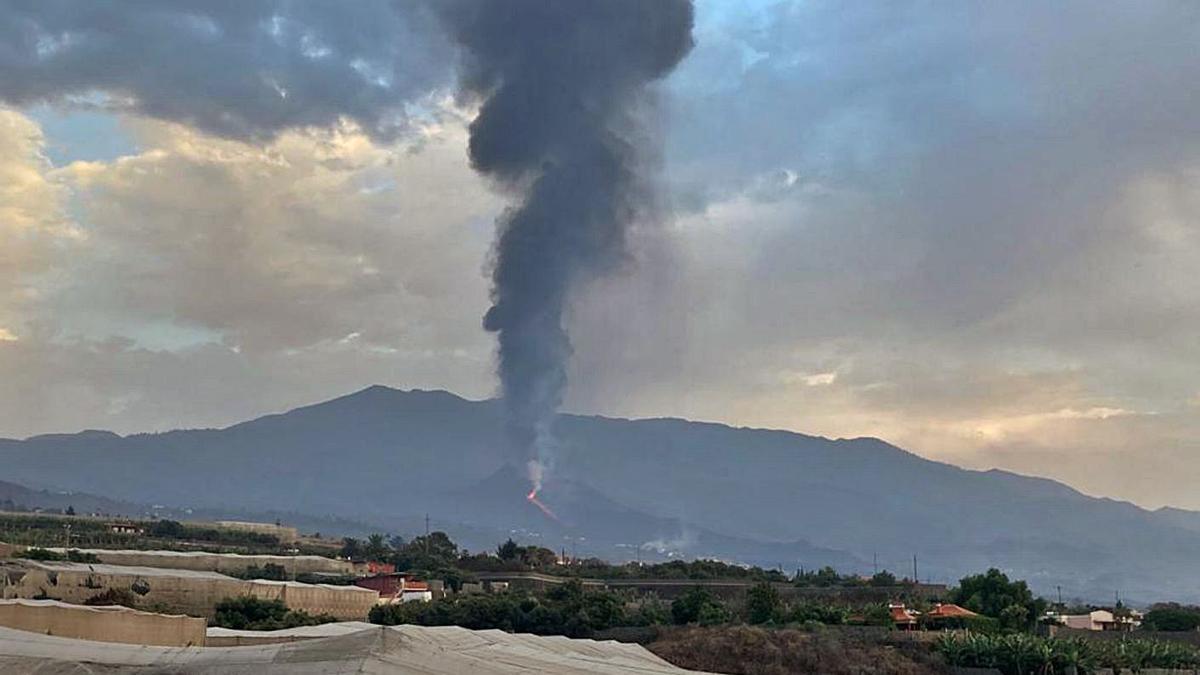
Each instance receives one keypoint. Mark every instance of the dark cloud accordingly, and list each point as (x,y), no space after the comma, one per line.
(245,69)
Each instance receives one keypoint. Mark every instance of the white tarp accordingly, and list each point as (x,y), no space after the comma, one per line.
(400,650)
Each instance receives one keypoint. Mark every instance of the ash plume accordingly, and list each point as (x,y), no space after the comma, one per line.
(562,87)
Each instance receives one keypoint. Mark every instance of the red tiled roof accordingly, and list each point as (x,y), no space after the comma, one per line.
(901,615)
(950,611)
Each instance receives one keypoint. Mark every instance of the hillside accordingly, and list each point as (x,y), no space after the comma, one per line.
(670,486)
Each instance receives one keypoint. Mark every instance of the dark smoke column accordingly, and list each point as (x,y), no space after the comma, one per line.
(561,85)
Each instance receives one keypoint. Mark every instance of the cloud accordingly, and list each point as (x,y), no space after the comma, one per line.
(34,225)
(319,262)
(235,69)
(973,215)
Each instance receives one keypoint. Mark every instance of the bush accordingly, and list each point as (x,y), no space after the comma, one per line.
(270,571)
(1171,617)
(695,604)
(762,603)
(809,613)
(113,596)
(250,613)
(41,554)
(565,610)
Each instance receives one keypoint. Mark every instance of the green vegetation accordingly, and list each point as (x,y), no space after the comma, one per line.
(45,530)
(113,596)
(72,555)
(1020,653)
(993,594)
(1169,616)
(269,571)
(699,606)
(763,603)
(250,613)
(568,609)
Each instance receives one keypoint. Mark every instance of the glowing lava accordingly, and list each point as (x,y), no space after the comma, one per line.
(532,497)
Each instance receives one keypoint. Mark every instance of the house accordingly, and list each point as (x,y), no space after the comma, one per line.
(903,617)
(126,528)
(948,615)
(396,587)
(1100,620)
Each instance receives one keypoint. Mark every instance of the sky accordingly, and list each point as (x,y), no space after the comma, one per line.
(970,229)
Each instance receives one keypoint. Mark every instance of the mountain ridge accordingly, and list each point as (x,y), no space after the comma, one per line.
(386,455)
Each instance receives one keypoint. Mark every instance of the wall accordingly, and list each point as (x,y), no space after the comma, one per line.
(104,624)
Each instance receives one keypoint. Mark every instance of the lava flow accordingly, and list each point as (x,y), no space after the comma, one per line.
(533,499)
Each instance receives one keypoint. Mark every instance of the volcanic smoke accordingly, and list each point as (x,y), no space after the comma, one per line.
(563,88)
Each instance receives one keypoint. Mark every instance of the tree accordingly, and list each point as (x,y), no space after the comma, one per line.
(538,557)
(250,613)
(883,578)
(762,603)
(697,606)
(1171,617)
(508,550)
(167,529)
(430,552)
(993,594)
(70,510)
(376,548)
(351,548)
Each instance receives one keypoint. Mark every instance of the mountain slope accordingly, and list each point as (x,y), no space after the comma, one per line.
(382,454)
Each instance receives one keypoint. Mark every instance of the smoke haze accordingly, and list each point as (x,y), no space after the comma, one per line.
(562,87)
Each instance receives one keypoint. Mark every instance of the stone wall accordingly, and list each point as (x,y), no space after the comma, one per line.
(104,624)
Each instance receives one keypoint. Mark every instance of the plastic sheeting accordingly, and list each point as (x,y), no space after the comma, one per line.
(400,650)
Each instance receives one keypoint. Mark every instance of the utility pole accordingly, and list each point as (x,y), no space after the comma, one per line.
(1059,589)
(915,569)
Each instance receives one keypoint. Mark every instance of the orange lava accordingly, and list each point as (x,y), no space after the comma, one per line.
(532,497)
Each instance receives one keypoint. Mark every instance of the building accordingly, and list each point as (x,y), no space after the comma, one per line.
(397,587)
(126,527)
(1099,620)
(903,617)
(948,610)
(191,592)
(948,615)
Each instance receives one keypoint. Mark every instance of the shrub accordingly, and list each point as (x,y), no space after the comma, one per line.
(762,603)
(113,596)
(250,613)
(41,554)
(689,607)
